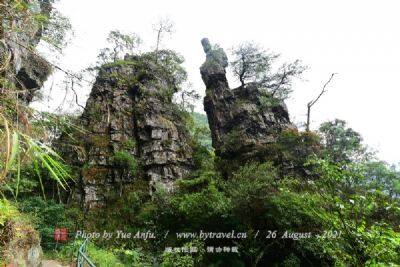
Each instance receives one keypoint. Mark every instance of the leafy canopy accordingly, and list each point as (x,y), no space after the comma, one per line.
(252,64)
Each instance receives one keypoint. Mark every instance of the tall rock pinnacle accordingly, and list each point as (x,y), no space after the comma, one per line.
(241,123)
(130,114)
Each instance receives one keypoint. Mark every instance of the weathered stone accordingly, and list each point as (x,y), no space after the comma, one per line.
(125,105)
(241,122)
(23,66)
(23,245)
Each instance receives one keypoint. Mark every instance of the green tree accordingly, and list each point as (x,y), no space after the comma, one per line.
(342,143)
(162,27)
(120,44)
(171,64)
(367,219)
(253,64)
(381,176)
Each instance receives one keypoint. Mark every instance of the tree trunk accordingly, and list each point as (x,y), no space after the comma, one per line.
(158,43)
(308,117)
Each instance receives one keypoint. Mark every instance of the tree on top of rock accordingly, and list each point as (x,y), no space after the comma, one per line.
(120,44)
(163,27)
(253,64)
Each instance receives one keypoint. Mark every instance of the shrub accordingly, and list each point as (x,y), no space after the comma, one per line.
(47,215)
(7,211)
(100,257)
(125,161)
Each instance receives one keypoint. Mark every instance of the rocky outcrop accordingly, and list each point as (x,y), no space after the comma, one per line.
(22,71)
(130,115)
(22,247)
(242,120)
(18,60)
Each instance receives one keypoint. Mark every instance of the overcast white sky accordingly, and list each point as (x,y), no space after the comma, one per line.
(359,39)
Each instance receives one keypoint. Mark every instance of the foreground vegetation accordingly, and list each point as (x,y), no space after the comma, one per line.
(326,184)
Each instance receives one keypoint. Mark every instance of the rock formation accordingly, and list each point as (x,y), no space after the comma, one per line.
(130,111)
(23,70)
(22,246)
(242,120)
(18,60)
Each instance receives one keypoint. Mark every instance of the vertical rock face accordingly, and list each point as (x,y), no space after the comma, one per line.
(20,68)
(18,62)
(242,120)
(130,113)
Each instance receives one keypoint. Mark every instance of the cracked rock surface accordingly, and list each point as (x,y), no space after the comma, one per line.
(242,120)
(128,110)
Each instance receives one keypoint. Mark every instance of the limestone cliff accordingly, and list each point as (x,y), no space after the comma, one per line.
(24,72)
(242,120)
(130,111)
(19,62)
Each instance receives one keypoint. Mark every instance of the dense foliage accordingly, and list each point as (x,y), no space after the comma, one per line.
(252,64)
(351,220)
(300,208)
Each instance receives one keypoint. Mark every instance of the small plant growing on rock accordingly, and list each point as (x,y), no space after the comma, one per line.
(125,161)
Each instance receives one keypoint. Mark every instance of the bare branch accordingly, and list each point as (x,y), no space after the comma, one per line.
(312,102)
(76,95)
(30,50)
